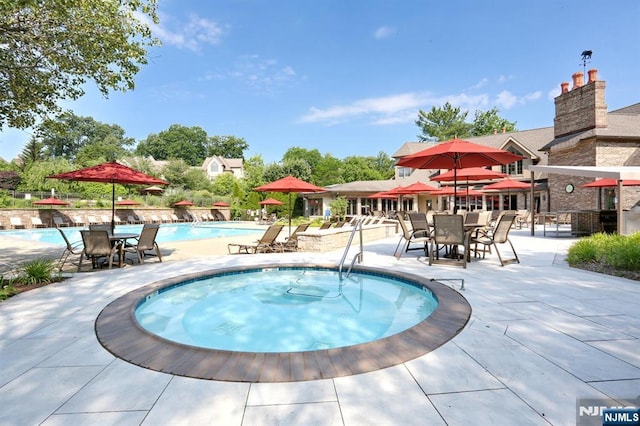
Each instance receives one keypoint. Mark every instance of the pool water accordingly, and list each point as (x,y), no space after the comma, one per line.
(169,232)
(284,310)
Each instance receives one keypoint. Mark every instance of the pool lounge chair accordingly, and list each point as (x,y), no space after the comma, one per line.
(291,244)
(16,222)
(59,221)
(176,218)
(93,220)
(146,243)
(266,244)
(77,221)
(36,222)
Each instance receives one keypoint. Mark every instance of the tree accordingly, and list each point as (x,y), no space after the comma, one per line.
(175,172)
(298,168)
(488,122)
(328,171)
(50,48)
(253,173)
(32,152)
(69,134)
(339,207)
(224,184)
(444,123)
(185,143)
(311,156)
(9,180)
(227,146)
(358,168)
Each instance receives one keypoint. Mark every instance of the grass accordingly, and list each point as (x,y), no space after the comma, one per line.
(607,253)
(28,275)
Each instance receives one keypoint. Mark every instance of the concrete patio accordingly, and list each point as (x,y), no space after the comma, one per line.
(541,336)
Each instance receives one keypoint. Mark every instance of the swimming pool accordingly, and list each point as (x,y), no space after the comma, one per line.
(121,334)
(169,232)
(285,310)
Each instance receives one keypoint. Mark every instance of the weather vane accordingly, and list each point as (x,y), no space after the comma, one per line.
(586,58)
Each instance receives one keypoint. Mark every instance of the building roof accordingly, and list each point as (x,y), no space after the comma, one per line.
(227,163)
(623,123)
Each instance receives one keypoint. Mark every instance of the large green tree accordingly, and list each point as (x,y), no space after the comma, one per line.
(50,48)
(177,142)
(227,146)
(69,135)
(488,122)
(443,123)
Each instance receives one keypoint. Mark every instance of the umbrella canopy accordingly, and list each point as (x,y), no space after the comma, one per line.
(507,184)
(449,190)
(470,173)
(271,202)
(127,203)
(382,194)
(183,203)
(289,184)
(51,201)
(111,172)
(220,204)
(151,190)
(608,183)
(414,188)
(457,154)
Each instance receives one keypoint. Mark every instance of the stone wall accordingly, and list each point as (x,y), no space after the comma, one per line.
(582,108)
(316,240)
(46,214)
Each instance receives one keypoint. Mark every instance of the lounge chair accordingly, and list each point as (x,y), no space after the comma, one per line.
(16,222)
(187,217)
(93,220)
(105,219)
(155,219)
(36,222)
(142,219)
(75,248)
(266,244)
(407,237)
(325,225)
(220,217)
(117,220)
(176,218)
(165,218)
(146,242)
(291,244)
(131,219)
(448,232)
(499,235)
(77,220)
(59,221)
(96,245)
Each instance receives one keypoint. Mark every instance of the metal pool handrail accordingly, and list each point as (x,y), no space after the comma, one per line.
(357,226)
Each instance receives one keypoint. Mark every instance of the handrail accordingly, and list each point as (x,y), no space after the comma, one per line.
(358,225)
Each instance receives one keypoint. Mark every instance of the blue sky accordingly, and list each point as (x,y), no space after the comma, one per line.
(348,76)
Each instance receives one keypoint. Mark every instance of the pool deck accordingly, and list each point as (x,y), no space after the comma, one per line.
(541,335)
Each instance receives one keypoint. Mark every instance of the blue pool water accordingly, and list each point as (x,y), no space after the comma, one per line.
(168,232)
(284,310)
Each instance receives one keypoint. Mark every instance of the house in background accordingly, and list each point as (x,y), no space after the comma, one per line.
(216,165)
(584,134)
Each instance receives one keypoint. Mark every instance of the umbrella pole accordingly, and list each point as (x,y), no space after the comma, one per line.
(113,207)
(455,189)
(290,213)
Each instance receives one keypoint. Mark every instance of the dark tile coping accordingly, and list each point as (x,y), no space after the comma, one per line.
(119,332)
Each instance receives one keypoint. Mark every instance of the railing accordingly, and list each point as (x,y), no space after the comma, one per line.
(357,227)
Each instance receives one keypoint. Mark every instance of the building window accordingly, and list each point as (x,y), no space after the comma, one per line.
(215,167)
(514,168)
(315,207)
(404,172)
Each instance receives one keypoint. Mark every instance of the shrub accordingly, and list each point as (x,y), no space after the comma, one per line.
(38,271)
(615,251)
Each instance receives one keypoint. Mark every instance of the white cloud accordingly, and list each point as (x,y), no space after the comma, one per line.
(553,93)
(504,78)
(392,109)
(264,75)
(483,82)
(192,35)
(506,99)
(383,32)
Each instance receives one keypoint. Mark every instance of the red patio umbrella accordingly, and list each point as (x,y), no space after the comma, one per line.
(127,203)
(183,203)
(382,194)
(414,188)
(608,183)
(470,173)
(507,184)
(51,201)
(271,202)
(450,190)
(289,184)
(457,154)
(111,172)
(220,204)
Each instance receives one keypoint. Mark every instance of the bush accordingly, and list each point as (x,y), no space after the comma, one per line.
(614,251)
(39,271)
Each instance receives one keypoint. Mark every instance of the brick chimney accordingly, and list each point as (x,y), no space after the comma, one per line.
(581,108)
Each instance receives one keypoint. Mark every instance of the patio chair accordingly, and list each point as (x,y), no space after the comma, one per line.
(16,222)
(420,224)
(59,221)
(407,237)
(499,235)
(291,244)
(96,245)
(449,233)
(100,227)
(36,222)
(523,219)
(266,244)
(71,248)
(146,243)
